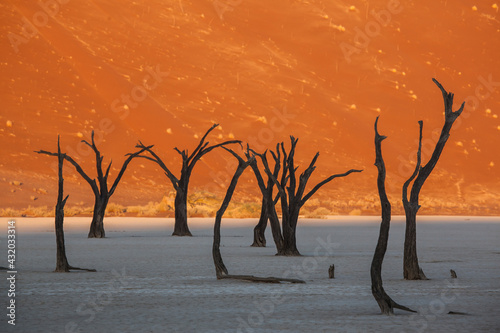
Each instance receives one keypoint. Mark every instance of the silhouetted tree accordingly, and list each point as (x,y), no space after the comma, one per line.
(386,304)
(101,192)
(411,269)
(61,259)
(181,184)
(268,207)
(292,194)
(220,269)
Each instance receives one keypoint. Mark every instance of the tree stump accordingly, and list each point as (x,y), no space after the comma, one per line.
(331,272)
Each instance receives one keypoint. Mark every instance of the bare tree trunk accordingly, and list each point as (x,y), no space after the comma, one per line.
(385,303)
(289,239)
(259,238)
(274,222)
(181,226)
(61,260)
(97,224)
(411,269)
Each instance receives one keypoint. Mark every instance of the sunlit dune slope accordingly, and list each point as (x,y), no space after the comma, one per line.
(163,72)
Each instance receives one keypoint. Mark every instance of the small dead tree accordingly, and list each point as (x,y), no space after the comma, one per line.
(101,192)
(386,304)
(61,259)
(181,184)
(220,269)
(411,269)
(292,193)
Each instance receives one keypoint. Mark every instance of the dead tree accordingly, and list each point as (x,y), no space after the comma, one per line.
(181,184)
(268,208)
(386,304)
(292,194)
(220,269)
(411,269)
(101,192)
(61,259)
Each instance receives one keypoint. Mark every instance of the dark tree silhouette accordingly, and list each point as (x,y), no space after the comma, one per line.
(181,184)
(101,192)
(61,259)
(268,208)
(411,269)
(220,269)
(386,304)
(292,194)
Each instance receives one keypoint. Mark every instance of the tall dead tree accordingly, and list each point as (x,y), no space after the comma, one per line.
(386,304)
(101,192)
(181,184)
(220,269)
(411,269)
(61,259)
(292,193)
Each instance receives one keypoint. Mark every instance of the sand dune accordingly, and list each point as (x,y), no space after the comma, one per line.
(164,71)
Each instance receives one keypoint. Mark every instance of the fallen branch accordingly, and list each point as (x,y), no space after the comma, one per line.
(251,278)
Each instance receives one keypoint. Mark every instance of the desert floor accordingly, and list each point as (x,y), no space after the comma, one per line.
(148,281)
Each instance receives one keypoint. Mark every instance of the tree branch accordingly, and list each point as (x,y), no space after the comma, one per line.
(158,160)
(204,151)
(417,166)
(124,167)
(199,147)
(318,186)
(450,117)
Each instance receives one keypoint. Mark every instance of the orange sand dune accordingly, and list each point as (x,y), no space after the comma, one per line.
(164,71)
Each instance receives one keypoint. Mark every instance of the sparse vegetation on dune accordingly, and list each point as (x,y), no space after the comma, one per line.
(251,209)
